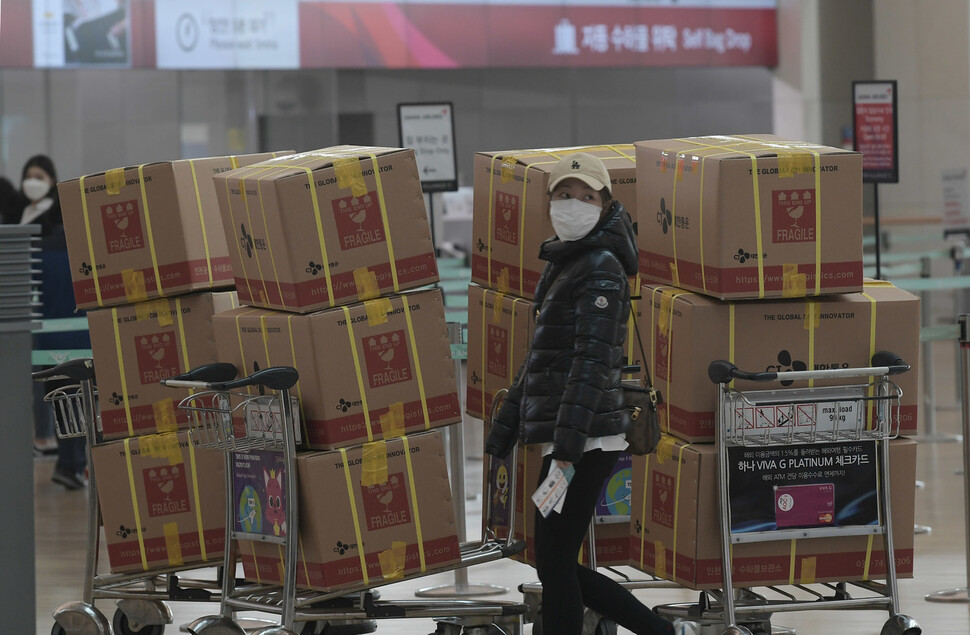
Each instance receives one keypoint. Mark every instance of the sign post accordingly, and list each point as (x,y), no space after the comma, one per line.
(429,128)
(876,136)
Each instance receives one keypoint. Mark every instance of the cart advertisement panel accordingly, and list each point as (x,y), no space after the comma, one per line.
(259,492)
(817,485)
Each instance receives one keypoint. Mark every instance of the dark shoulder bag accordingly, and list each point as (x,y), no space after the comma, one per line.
(641,398)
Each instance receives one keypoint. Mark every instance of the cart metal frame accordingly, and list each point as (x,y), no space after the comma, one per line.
(269,423)
(793,417)
(141,595)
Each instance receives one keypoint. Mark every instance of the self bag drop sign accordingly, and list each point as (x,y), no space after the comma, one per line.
(818,485)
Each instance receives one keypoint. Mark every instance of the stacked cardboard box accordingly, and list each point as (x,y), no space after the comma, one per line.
(329,247)
(146,245)
(755,257)
(510,221)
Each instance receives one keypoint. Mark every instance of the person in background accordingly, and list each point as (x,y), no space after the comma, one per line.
(39,188)
(11,202)
(567,397)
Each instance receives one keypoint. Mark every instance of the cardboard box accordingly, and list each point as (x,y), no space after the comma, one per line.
(367,371)
(750,217)
(612,529)
(149,231)
(684,332)
(388,512)
(510,217)
(137,345)
(676,536)
(360,231)
(500,329)
(176,485)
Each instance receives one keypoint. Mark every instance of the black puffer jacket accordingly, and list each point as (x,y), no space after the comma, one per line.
(570,389)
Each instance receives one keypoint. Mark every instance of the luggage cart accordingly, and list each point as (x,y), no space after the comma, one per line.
(141,596)
(801,421)
(268,422)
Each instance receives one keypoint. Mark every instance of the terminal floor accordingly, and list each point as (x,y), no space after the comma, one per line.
(940,555)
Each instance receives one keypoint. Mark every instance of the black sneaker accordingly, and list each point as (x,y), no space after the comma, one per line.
(70,481)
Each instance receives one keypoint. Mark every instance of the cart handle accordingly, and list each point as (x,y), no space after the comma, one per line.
(74,369)
(883,363)
(274,378)
(216,373)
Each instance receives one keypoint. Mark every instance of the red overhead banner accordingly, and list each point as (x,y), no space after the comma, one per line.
(403,34)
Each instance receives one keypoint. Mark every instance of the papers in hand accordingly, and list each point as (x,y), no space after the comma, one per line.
(551,493)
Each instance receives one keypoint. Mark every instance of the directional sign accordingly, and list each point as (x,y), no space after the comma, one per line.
(876,131)
(430,130)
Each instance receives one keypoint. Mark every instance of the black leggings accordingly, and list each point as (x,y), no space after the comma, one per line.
(568,586)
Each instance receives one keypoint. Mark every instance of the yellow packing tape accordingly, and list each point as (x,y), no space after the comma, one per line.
(143,311)
(508,168)
(164,412)
(114,180)
(173,544)
(163,312)
(392,421)
(198,204)
(673,548)
(134,282)
(350,175)
(418,375)
(377,311)
(791,562)
(808,570)
(870,422)
(163,446)
(121,371)
(148,230)
(792,283)
(865,570)
(392,560)
(366,282)
(643,508)
(502,282)
(665,448)
(418,531)
(352,499)
(358,372)
(497,307)
(90,239)
(198,502)
(133,490)
(660,559)
(373,468)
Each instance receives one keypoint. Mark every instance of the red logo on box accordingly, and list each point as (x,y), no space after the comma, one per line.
(122,226)
(498,350)
(387,358)
(157,357)
(793,216)
(663,499)
(664,356)
(507,218)
(359,221)
(166,490)
(386,505)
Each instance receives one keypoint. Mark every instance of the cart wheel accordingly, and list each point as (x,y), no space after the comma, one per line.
(901,625)
(596,624)
(120,626)
(57,629)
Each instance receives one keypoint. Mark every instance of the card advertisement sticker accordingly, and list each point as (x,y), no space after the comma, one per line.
(812,485)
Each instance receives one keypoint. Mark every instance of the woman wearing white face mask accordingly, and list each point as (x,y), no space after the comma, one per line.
(567,395)
(38,185)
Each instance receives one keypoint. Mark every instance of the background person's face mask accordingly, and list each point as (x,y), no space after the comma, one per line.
(573,219)
(35,189)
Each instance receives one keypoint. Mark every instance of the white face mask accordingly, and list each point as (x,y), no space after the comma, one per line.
(573,219)
(35,189)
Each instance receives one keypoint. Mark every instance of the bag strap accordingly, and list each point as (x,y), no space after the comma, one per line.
(643,355)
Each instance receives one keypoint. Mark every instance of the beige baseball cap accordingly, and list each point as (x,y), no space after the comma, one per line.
(583,166)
